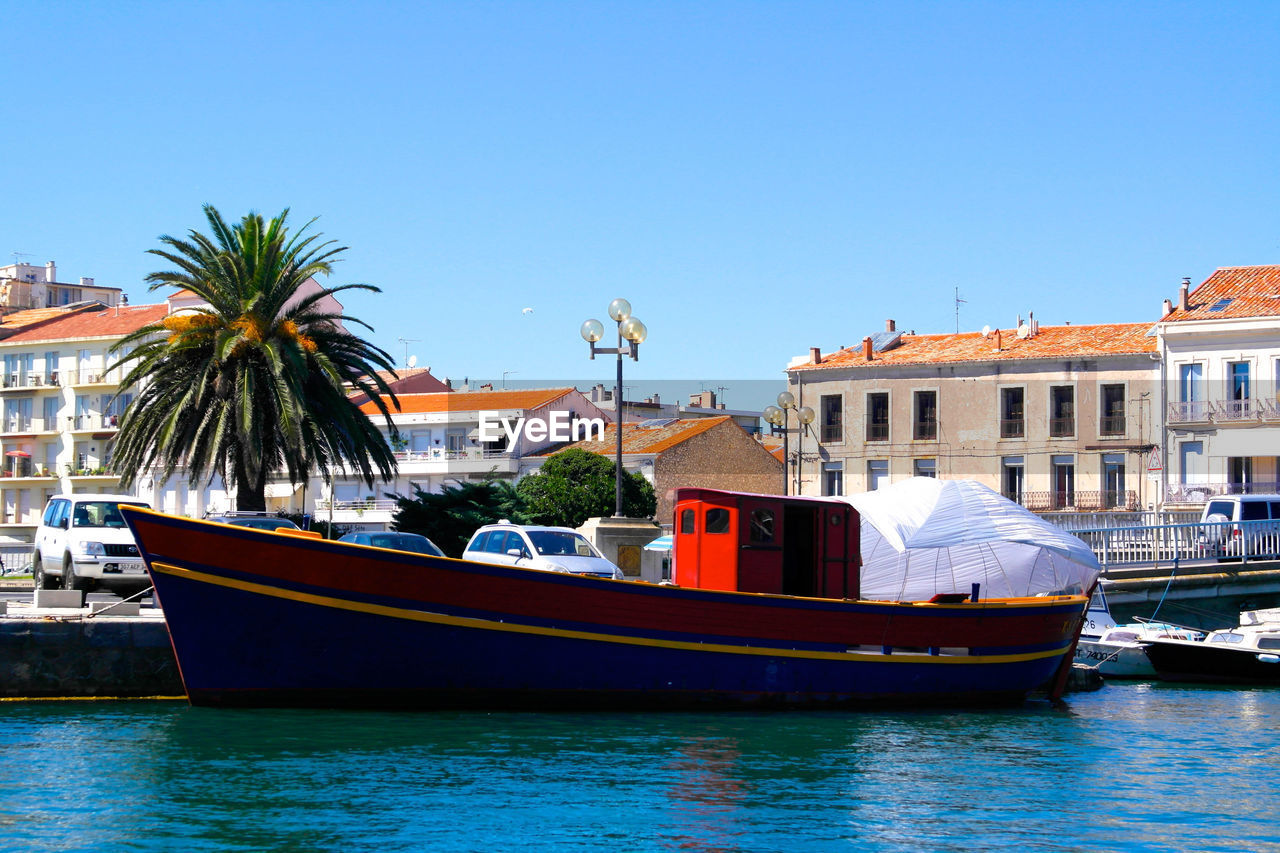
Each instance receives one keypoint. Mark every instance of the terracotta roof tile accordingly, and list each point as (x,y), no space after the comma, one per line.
(638,439)
(1049,342)
(474,401)
(1233,292)
(95,323)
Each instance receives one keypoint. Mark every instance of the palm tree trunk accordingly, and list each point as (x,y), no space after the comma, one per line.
(251,492)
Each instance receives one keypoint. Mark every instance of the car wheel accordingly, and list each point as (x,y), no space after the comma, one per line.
(69,578)
(42,579)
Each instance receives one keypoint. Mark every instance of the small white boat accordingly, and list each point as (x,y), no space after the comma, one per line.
(1120,651)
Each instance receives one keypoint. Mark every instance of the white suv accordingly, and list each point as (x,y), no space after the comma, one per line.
(83,542)
(551,549)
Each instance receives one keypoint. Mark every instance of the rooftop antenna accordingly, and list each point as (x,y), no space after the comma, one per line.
(18,255)
(406,342)
(958,303)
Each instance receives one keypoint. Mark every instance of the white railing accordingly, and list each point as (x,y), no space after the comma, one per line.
(1116,547)
(442,454)
(357,506)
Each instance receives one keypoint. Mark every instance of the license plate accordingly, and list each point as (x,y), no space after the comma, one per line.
(132,568)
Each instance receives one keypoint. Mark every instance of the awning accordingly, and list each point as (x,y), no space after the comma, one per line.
(18,453)
(281,490)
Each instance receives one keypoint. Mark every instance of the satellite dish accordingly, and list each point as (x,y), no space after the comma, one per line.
(986,330)
(413,361)
(1024,331)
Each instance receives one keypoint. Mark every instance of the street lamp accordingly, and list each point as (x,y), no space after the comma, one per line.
(777,415)
(633,332)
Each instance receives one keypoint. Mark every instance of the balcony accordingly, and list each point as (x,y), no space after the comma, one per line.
(92,423)
(925,429)
(442,460)
(91,376)
(367,511)
(27,426)
(1013,428)
(878,431)
(1224,412)
(831,433)
(1112,426)
(1196,493)
(1081,501)
(27,381)
(1062,427)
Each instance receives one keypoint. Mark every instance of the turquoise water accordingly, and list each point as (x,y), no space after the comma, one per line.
(1132,768)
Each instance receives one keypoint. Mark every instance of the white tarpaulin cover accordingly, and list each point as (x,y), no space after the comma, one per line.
(924,536)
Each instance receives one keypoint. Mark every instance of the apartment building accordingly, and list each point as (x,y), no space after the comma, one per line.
(26,286)
(1220,357)
(59,407)
(1054,417)
(446,438)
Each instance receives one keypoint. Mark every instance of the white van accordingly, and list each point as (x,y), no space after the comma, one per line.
(1259,535)
(83,542)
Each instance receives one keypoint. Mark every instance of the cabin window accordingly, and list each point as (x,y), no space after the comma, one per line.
(686,521)
(762,526)
(717,520)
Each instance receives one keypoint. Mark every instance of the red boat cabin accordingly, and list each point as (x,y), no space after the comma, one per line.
(766,543)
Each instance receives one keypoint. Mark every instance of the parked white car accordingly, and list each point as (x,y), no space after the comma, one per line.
(551,549)
(1258,536)
(83,542)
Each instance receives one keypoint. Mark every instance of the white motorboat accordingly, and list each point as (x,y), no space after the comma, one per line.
(1120,651)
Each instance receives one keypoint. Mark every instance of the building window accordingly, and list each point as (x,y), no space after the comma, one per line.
(1113,492)
(878,417)
(925,468)
(1062,411)
(1113,416)
(877,474)
(1239,380)
(1239,475)
(1064,481)
(925,426)
(1011,478)
(1013,422)
(832,478)
(831,430)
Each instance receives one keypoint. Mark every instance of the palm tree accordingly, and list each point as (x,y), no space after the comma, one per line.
(258,380)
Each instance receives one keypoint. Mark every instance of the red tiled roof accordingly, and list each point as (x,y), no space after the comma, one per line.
(473,401)
(1233,292)
(21,319)
(638,439)
(1049,342)
(95,323)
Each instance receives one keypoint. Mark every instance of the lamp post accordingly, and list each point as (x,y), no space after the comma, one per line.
(777,415)
(633,332)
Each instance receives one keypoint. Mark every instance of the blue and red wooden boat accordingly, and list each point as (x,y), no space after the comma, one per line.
(765,612)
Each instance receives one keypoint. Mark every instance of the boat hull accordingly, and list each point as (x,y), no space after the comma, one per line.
(262,618)
(1115,660)
(1212,663)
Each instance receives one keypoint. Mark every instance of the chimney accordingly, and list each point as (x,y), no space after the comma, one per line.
(1168,306)
(890,326)
(50,272)
(815,355)
(1183,303)
(997,340)
(866,348)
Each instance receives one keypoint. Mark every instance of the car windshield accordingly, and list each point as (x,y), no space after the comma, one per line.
(561,543)
(404,542)
(99,514)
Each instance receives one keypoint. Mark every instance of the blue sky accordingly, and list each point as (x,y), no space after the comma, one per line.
(757,178)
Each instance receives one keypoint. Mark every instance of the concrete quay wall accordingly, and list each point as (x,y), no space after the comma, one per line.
(75,656)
